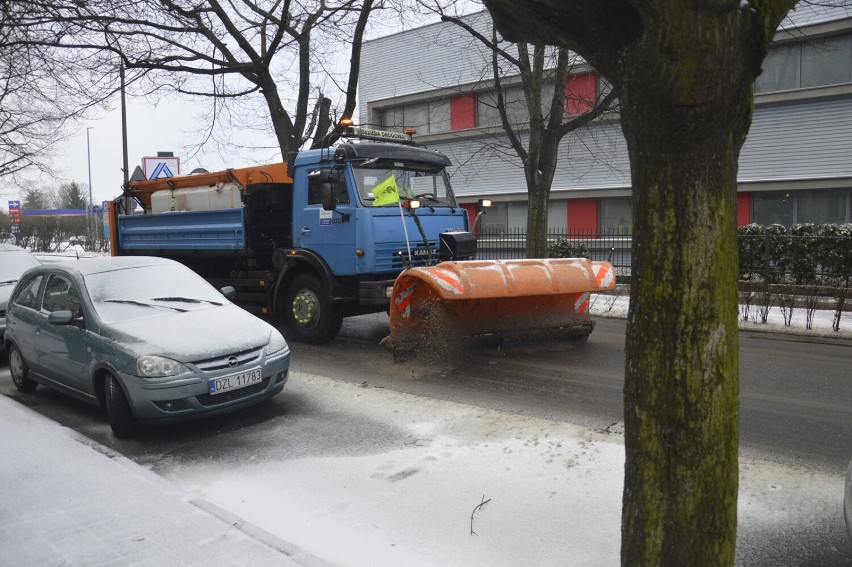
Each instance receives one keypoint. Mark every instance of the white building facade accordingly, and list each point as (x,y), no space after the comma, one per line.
(795,166)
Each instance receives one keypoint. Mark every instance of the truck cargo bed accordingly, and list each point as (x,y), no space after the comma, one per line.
(221,229)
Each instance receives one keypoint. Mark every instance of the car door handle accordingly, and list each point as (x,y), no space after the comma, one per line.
(306,231)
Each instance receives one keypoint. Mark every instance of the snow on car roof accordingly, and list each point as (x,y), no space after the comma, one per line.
(87,266)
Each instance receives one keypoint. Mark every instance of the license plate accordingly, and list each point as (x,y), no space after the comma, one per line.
(235,381)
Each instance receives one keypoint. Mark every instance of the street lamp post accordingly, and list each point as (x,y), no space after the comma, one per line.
(89,209)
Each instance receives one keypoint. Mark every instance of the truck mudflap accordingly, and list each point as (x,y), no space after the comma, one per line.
(435,308)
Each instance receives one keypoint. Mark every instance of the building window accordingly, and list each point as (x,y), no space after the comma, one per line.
(425,117)
(391,118)
(774,207)
(822,207)
(780,70)
(439,116)
(496,219)
(827,61)
(813,63)
(616,215)
(488,115)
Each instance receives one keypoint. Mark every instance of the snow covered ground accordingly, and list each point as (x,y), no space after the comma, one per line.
(551,490)
(437,483)
(615,305)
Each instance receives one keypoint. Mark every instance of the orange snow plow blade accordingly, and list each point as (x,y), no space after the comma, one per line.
(436,306)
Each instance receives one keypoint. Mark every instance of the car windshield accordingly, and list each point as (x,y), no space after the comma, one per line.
(13,263)
(148,291)
(412,179)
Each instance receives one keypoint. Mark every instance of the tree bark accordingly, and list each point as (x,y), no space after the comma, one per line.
(685,73)
(681,377)
(684,130)
(539,170)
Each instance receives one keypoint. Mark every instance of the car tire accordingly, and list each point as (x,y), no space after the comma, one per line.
(309,313)
(20,371)
(120,415)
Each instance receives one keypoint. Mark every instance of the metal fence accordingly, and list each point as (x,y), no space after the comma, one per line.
(815,259)
(510,244)
(766,258)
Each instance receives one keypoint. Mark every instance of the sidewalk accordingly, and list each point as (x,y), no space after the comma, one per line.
(66,500)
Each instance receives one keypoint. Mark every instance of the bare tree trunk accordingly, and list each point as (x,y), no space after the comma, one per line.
(537,219)
(284,132)
(539,168)
(681,394)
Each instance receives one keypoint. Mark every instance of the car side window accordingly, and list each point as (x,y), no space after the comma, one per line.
(61,295)
(28,294)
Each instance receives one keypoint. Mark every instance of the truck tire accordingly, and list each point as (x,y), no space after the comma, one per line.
(309,313)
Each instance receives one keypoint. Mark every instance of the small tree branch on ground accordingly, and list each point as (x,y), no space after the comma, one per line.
(472,514)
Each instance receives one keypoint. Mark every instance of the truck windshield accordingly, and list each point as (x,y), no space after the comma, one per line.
(427,182)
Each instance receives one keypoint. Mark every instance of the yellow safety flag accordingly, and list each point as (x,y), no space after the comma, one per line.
(386,192)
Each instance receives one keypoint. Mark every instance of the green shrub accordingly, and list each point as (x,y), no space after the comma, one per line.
(563,248)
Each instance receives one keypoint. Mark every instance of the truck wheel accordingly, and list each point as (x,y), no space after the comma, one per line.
(309,312)
(19,370)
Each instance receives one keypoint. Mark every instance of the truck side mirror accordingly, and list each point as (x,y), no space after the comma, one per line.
(327,196)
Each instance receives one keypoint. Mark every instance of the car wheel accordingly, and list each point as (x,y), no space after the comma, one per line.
(20,371)
(309,312)
(120,415)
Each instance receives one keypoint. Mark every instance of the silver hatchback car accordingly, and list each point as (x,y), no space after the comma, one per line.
(14,261)
(145,337)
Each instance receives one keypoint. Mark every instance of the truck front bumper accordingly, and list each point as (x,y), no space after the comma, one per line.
(375,293)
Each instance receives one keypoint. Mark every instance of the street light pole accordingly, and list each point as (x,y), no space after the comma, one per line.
(89,209)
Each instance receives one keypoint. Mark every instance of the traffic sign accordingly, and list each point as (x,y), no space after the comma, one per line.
(160,167)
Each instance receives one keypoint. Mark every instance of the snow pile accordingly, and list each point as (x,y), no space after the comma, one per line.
(616,305)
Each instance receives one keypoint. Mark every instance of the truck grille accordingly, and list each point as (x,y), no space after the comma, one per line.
(388,257)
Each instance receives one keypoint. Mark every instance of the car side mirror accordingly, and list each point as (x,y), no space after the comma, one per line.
(228,291)
(65,317)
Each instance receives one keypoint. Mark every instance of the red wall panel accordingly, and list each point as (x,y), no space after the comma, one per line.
(463,112)
(471,212)
(743,209)
(581,93)
(583,215)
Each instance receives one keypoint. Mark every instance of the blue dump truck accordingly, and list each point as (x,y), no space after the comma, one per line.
(308,242)
(368,224)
